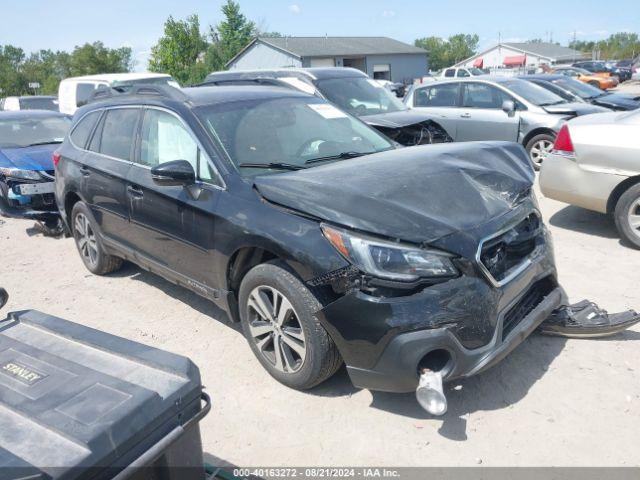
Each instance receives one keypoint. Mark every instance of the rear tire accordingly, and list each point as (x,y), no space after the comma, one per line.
(277,312)
(538,146)
(627,216)
(92,252)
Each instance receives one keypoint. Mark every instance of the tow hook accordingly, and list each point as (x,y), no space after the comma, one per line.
(430,394)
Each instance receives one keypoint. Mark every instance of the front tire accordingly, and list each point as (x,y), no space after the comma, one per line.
(627,216)
(538,147)
(92,253)
(277,312)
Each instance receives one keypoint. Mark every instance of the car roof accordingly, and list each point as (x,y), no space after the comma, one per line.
(543,76)
(111,77)
(314,73)
(479,78)
(22,114)
(200,96)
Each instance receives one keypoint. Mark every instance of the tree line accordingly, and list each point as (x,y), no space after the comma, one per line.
(47,67)
(187,54)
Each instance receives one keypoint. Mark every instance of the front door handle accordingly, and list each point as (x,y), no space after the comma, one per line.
(465,115)
(84,170)
(135,191)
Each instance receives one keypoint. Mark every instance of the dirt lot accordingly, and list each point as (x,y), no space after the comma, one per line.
(551,401)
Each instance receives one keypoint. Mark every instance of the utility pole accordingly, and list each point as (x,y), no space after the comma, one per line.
(574,46)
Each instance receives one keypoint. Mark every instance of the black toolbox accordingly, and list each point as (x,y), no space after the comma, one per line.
(77,403)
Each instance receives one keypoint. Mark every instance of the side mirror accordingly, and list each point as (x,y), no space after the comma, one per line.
(509,107)
(4,297)
(174,173)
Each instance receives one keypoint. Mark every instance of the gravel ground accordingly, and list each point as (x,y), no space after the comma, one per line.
(552,401)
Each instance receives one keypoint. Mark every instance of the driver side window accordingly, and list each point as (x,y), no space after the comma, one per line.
(164,138)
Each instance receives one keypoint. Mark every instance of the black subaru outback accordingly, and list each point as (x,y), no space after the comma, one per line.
(326,241)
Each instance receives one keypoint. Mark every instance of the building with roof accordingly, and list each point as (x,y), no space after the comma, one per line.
(532,54)
(379,57)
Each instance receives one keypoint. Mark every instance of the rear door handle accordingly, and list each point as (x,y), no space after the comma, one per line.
(465,115)
(135,191)
(84,170)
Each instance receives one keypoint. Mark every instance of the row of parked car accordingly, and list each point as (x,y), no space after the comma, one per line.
(288,199)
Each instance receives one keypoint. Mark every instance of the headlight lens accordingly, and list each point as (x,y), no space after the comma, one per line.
(387,259)
(19,173)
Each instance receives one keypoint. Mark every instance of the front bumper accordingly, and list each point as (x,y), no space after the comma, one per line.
(384,340)
(32,206)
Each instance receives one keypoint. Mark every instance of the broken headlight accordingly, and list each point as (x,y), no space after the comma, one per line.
(385,259)
(19,173)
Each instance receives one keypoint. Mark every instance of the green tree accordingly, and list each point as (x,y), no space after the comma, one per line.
(12,81)
(230,36)
(619,45)
(179,51)
(444,53)
(93,58)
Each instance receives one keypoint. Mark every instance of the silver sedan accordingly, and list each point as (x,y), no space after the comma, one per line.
(595,164)
(498,108)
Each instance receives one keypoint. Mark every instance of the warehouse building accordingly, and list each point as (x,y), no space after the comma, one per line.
(379,57)
(512,55)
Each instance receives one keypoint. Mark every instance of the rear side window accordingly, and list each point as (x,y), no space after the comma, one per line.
(80,134)
(462,73)
(450,72)
(445,95)
(118,131)
(481,95)
(84,92)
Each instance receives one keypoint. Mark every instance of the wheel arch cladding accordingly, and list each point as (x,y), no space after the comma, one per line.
(619,191)
(70,199)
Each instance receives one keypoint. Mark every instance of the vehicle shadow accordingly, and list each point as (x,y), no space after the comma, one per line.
(182,294)
(585,221)
(497,388)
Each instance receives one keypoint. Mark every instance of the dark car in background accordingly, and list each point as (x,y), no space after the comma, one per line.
(31,102)
(327,242)
(27,142)
(594,66)
(352,91)
(574,90)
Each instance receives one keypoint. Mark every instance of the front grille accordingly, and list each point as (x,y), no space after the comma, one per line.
(531,300)
(502,253)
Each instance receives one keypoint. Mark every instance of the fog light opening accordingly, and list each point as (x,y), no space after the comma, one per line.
(436,361)
(430,393)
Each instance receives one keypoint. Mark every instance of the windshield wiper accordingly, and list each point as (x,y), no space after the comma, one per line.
(339,156)
(274,165)
(552,103)
(48,142)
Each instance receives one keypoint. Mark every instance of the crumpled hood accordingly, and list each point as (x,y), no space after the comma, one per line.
(28,158)
(617,100)
(574,108)
(397,119)
(417,194)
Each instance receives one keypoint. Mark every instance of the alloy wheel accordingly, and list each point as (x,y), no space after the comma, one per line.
(633,217)
(86,239)
(539,150)
(276,330)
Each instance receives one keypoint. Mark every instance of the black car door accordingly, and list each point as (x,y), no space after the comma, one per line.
(173,226)
(104,171)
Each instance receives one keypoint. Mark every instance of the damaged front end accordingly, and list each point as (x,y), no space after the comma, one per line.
(423,133)
(29,194)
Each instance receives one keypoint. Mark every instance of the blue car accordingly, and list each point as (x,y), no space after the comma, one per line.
(27,141)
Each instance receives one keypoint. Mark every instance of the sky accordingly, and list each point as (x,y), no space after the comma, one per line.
(63,24)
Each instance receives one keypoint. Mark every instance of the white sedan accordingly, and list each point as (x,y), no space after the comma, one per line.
(595,164)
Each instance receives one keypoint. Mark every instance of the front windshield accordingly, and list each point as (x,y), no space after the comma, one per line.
(39,103)
(533,93)
(291,131)
(583,90)
(25,132)
(360,96)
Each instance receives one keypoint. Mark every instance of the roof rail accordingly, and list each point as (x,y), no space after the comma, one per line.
(276,82)
(137,90)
